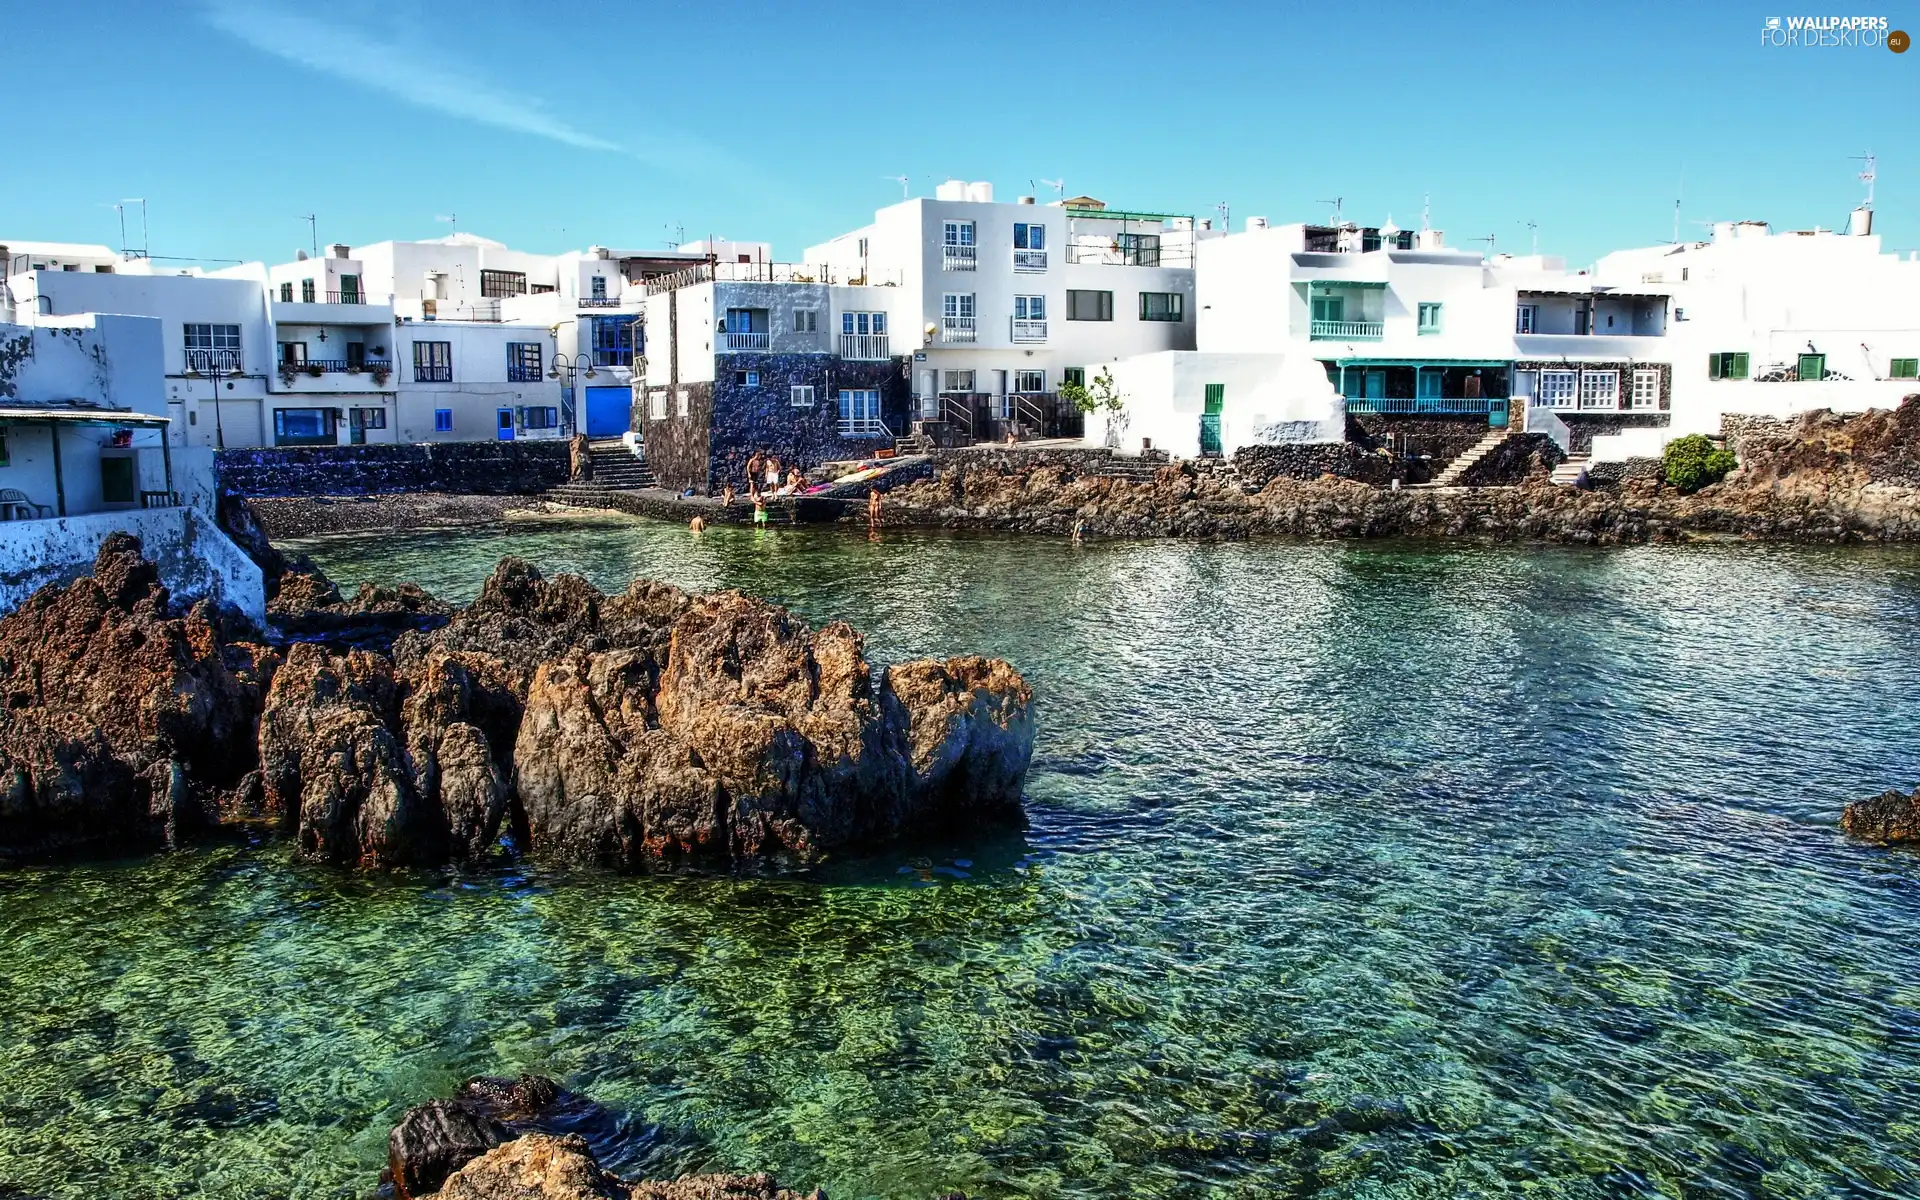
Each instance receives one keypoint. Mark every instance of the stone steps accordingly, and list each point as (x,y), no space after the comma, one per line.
(1572,472)
(1451,473)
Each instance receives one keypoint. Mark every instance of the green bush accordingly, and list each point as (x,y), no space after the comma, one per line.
(1693,462)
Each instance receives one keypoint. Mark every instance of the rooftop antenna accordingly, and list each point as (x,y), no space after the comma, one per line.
(1336,202)
(1059,187)
(143,228)
(1489,240)
(679,236)
(122,210)
(1533,227)
(1867,175)
(452,219)
(1426,213)
(902,181)
(313,232)
(1225,211)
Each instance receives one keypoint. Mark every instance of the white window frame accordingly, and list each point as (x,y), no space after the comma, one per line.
(856,321)
(1559,389)
(657,403)
(1646,389)
(956,304)
(954,380)
(1526,318)
(1029,308)
(1600,391)
(1021,380)
(806,320)
(957,233)
(744,379)
(685,402)
(860,412)
(800,395)
(1029,235)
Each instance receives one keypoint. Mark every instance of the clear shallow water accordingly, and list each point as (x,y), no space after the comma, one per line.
(1353,871)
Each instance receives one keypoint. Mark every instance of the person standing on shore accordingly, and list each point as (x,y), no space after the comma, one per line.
(773,473)
(727,496)
(873,507)
(756,464)
(579,458)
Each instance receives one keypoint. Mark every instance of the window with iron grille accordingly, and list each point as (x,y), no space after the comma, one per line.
(657,404)
(212,347)
(433,362)
(286,292)
(306,291)
(523,362)
(495,284)
(615,341)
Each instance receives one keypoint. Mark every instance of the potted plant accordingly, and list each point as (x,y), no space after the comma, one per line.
(286,374)
(379,374)
(315,369)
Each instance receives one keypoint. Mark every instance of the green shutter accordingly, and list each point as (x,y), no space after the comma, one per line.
(1813,368)
(1738,369)
(1216,397)
(1714,366)
(1904,368)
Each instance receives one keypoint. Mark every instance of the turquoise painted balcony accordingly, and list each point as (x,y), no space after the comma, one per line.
(1346,331)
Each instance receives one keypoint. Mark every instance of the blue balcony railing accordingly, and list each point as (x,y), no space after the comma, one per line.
(1417,405)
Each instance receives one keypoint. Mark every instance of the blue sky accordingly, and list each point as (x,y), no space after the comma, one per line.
(551,127)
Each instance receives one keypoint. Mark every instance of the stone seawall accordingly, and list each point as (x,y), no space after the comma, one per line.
(464,468)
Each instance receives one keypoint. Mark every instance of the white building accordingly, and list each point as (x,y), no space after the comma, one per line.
(999,304)
(84,454)
(1774,324)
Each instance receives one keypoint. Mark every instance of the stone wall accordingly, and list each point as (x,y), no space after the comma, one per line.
(1611,476)
(1740,428)
(677,446)
(1442,438)
(761,416)
(1258,466)
(481,468)
(1076,461)
(1521,457)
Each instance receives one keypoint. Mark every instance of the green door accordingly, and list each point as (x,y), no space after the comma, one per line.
(116,480)
(1329,308)
(1210,419)
(1376,385)
(1813,366)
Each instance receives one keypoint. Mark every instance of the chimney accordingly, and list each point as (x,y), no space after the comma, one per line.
(1026,200)
(1429,239)
(1256,223)
(339,249)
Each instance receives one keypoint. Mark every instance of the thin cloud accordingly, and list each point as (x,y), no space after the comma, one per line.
(399,72)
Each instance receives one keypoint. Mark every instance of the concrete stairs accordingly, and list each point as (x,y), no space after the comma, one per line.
(1451,474)
(1572,472)
(615,469)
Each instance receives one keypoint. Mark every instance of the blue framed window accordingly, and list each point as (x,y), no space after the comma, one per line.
(443,420)
(1429,318)
(615,341)
(523,362)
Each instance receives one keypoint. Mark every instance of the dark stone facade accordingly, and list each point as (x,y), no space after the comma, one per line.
(729,419)
(473,468)
(1611,476)
(1434,436)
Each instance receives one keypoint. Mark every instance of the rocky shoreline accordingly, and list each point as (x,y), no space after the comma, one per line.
(1821,478)
(655,728)
(320,516)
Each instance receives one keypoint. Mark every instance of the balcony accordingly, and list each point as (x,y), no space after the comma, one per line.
(959,258)
(1029,331)
(599,302)
(356,309)
(734,342)
(864,347)
(221,362)
(1476,406)
(1028,262)
(354,297)
(330,366)
(864,427)
(1346,331)
(958,329)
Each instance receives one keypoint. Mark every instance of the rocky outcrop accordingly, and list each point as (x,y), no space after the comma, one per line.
(1885,819)
(543,1167)
(125,722)
(650,727)
(1823,478)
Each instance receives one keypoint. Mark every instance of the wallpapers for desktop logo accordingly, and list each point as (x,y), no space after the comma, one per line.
(1862,32)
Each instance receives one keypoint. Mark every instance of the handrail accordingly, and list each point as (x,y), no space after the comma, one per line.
(956,408)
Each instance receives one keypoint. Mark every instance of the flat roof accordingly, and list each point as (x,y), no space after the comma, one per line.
(78,416)
(1120,214)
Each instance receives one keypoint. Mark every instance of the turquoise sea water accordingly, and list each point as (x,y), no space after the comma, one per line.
(1353,871)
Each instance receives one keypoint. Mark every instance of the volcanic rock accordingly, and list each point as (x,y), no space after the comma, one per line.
(1887,818)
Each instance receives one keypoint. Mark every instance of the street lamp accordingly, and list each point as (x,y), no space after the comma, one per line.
(214,375)
(570,365)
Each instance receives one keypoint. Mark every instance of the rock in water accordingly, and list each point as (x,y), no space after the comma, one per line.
(122,721)
(543,1167)
(1887,818)
(436,1139)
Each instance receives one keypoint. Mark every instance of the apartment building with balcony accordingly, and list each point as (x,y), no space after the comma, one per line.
(794,359)
(1000,303)
(1775,323)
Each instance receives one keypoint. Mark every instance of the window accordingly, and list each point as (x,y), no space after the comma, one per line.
(1029,247)
(615,341)
(6,458)
(746,378)
(1427,383)
(1089,306)
(1077,376)
(523,362)
(349,289)
(1904,368)
(306,291)
(1599,389)
(1558,388)
(540,416)
(1429,318)
(286,292)
(495,284)
(806,320)
(1029,308)
(356,356)
(686,401)
(957,249)
(442,420)
(957,233)
(303,427)
(860,413)
(597,287)
(1646,388)
(1162,306)
(371,418)
(800,395)
(866,322)
(657,404)
(958,381)
(1526,318)
(1813,368)
(212,347)
(433,362)
(1679,314)
(1726,366)
(541,289)
(1029,381)
(293,354)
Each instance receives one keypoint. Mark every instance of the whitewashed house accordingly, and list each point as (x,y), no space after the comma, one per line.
(1772,323)
(84,453)
(996,305)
